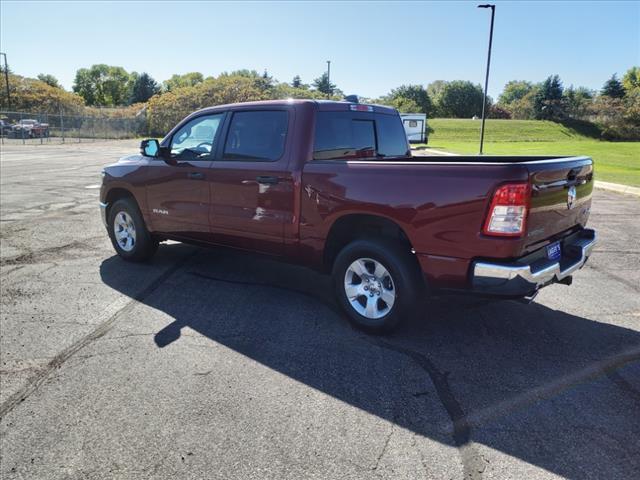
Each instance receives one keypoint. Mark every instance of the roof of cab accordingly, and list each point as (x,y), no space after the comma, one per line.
(324,105)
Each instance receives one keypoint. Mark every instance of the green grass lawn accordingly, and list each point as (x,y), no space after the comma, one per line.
(617,162)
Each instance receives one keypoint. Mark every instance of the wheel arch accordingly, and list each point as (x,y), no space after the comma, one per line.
(353,226)
(118,193)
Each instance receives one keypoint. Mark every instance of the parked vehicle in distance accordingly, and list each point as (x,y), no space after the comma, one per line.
(333,186)
(415,126)
(30,128)
(5,128)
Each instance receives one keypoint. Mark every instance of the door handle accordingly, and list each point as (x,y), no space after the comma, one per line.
(266,179)
(196,175)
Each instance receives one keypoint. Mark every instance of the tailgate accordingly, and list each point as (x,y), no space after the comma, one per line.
(560,197)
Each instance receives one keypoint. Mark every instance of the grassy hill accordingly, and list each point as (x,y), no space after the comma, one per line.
(615,161)
(467,130)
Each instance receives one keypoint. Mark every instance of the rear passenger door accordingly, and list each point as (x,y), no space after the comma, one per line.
(251,188)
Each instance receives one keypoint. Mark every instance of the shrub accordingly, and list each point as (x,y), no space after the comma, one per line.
(496,111)
(31,95)
(167,109)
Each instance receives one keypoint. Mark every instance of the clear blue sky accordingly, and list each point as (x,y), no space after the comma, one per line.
(373,46)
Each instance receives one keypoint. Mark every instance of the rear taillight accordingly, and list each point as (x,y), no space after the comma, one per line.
(507,215)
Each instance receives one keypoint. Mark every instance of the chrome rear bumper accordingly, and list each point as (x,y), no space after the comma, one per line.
(525,276)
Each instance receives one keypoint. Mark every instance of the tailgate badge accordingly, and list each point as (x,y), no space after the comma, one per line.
(571,197)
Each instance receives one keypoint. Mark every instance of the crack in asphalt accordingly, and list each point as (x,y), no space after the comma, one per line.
(472,467)
(61,251)
(386,444)
(35,381)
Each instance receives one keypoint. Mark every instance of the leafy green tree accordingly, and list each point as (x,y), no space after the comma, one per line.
(406,95)
(631,80)
(49,80)
(244,72)
(578,101)
(297,82)
(613,88)
(103,85)
(524,108)
(144,87)
(434,90)
(403,104)
(266,81)
(513,91)
(186,80)
(263,81)
(461,99)
(548,102)
(323,84)
(284,91)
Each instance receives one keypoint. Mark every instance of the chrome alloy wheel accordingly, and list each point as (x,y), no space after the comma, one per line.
(125,231)
(369,288)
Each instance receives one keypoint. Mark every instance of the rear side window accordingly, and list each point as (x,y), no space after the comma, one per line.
(351,135)
(258,136)
(344,135)
(392,138)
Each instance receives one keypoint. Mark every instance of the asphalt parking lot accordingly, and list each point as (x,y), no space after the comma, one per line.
(213,364)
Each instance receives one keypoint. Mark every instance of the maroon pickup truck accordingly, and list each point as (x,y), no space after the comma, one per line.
(333,186)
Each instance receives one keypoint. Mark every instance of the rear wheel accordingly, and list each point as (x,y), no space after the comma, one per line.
(128,232)
(377,283)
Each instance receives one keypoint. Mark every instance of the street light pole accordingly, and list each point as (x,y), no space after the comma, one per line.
(6,79)
(486,80)
(329,78)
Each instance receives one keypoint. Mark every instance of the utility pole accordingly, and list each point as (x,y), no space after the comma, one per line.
(486,80)
(329,78)
(6,80)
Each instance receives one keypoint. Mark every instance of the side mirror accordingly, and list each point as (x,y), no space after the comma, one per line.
(149,147)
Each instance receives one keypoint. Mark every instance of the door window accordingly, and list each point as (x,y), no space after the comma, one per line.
(196,139)
(257,136)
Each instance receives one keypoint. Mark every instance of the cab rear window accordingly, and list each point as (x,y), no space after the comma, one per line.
(355,135)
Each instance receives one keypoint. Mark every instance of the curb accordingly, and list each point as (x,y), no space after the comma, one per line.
(618,188)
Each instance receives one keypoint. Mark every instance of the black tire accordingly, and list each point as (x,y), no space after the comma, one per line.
(144,246)
(404,278)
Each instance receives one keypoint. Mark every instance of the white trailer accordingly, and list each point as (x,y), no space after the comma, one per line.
(415,126)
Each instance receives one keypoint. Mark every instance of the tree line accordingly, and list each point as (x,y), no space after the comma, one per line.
(615,109)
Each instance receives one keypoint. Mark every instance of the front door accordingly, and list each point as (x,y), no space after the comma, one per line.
(250,186)
(178,195)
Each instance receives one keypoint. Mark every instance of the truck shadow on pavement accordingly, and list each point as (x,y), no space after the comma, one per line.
(550,388)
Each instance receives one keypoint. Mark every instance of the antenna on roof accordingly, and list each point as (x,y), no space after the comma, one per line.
(351,98)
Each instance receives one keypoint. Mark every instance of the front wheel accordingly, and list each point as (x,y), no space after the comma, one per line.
(128,232)
(377,283)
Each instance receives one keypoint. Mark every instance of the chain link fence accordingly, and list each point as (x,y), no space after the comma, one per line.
(39,128)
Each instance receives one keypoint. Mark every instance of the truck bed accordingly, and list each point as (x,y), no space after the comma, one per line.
(442,202)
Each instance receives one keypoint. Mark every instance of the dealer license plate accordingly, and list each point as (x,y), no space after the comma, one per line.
(554,252)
